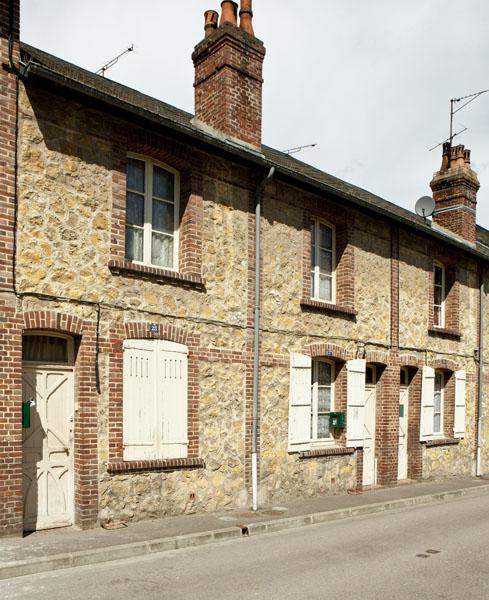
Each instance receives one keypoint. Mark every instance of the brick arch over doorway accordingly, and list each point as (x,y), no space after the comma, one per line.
(86,401)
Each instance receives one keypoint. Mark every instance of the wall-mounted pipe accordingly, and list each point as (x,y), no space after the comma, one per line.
(256,339)
(480,387)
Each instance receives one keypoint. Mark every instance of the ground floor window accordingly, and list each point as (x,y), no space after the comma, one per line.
(155,400)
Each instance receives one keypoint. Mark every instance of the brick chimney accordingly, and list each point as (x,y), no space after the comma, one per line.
(454,189)
(228,75)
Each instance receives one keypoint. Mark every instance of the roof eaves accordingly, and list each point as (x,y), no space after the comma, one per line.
(349,192)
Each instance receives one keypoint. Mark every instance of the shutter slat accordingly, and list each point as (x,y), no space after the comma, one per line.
(299,400)
(355,415)
(460,403)
(427,404)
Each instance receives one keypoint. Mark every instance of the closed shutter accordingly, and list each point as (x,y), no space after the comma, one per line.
(139,410)
(355,414)
(460,392)
(172,391)
(299,400)
(427,404)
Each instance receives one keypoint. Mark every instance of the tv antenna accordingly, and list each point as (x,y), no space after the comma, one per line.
(112,62)
(298,149)
(453,111)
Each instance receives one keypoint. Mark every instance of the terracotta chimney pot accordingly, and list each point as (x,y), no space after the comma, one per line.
(229,13)
(246,17)
(445,161)
(211,18)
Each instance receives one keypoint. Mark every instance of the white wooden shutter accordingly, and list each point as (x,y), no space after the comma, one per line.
(139,410)
(299,400)
(459,421)
(355,413)
(427,404)
(172,399)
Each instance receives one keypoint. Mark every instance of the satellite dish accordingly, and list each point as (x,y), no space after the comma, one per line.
(425,206)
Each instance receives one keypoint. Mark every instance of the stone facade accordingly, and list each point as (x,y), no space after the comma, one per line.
(72,278)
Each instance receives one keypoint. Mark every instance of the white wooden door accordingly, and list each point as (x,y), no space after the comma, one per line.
(402,464)
(369,477)
(47,447)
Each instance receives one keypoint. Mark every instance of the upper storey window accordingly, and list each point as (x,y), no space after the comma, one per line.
(322,261)
(438,295)
(151,213)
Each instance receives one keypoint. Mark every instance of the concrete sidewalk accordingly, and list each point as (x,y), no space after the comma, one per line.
(70,547)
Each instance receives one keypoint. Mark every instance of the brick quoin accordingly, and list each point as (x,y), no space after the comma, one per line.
(10,324)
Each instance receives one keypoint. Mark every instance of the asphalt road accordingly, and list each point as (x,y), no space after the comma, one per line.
(434,552)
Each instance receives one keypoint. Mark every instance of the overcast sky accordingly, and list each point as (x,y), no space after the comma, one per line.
(369,81)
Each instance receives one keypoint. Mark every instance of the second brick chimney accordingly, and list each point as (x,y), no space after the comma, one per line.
(455,188)
(228,75)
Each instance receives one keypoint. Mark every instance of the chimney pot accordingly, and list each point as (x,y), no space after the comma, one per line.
(445,161)
(211,18)
(246,17)
(229,13)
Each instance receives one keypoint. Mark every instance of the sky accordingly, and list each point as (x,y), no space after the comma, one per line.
(368,81)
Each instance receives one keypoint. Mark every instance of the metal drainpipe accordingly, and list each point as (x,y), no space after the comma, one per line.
(256,340)
(481,376)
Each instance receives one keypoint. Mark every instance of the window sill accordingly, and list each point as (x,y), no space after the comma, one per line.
(446,333)
(332,451)
(442,442)
(125,267)
(168,464)
(326,307)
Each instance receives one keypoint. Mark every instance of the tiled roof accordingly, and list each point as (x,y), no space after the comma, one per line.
(62,72)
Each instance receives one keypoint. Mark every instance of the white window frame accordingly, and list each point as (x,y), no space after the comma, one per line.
(439,433)
(315,441)
(314,267)
(438,265)
(148,210)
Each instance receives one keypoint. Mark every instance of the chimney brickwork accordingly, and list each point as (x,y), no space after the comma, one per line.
(228,77)
(455,188)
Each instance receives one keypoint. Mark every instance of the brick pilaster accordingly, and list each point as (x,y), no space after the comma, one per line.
(10,326)
(388,425)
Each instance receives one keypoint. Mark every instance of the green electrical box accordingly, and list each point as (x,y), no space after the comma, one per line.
(401,410)
(26,414)
(337,419)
